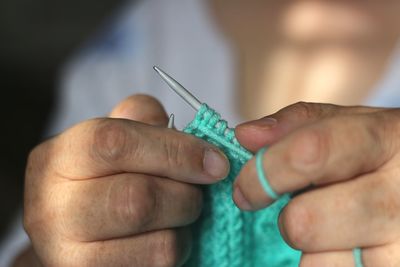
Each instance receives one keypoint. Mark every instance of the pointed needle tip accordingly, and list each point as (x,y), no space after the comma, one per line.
(171,121)
(179,89)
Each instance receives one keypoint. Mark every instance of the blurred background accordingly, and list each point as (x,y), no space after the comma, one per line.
(36,37)
(245,58)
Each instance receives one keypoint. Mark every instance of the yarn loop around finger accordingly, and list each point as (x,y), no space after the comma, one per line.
(357,255)
(262,177)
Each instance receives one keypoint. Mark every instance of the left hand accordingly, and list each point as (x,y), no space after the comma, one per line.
(350,156)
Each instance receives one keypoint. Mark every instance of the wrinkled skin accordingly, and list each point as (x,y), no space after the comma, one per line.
(118,192)
(347,160)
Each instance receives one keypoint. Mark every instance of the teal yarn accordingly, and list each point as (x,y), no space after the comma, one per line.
(357,255)
(261,175)
(225,236)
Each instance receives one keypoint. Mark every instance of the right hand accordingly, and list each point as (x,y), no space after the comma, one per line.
(117,192)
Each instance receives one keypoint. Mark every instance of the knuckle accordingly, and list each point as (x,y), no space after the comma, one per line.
(175,152)
(134,204)
(167,253)
(388,122)
(309,149)
(110,140)
(305,110)
(297,222)
(386,205)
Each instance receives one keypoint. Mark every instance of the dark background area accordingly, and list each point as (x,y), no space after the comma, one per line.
(36,37)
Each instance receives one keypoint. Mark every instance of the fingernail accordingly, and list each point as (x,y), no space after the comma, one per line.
(240,200)
(264,123)
(215,164)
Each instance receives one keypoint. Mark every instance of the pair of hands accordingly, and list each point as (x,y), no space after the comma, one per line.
(121,191)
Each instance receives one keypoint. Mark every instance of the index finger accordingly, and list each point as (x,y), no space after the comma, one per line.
(103,147)
(328,151)
(253,135)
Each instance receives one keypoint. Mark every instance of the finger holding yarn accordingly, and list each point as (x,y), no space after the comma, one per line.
(317,154)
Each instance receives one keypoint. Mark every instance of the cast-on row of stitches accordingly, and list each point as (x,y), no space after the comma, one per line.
(208,124)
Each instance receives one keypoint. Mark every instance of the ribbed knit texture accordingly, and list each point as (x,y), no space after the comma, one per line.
(224,235)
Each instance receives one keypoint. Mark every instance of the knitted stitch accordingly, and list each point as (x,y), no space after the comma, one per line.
(224,235)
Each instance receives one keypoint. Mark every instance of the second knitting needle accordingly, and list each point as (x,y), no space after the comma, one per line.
(179,89)
(171,121)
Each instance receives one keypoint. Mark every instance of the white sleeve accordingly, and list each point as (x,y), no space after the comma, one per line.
(14,242)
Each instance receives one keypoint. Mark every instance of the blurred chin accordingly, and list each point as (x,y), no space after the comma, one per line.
(310,21)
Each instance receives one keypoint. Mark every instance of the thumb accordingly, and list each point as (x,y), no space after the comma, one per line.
(142,108)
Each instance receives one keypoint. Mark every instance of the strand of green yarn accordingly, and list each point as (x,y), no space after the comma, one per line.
(224,235)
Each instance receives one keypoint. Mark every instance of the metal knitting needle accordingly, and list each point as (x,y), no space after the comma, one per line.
(179,89)
(182,92)
(171,121)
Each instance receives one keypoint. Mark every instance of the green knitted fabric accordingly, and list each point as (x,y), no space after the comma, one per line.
(224,235)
